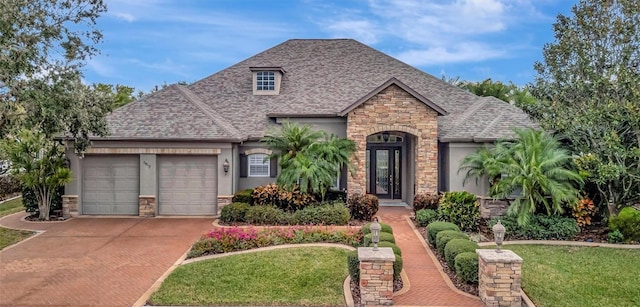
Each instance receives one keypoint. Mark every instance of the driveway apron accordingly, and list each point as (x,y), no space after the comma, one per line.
(92,261)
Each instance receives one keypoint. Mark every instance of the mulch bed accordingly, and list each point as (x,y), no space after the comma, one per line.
(355,289)
(355,223)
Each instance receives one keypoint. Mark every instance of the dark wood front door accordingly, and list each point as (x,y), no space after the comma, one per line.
(384,168)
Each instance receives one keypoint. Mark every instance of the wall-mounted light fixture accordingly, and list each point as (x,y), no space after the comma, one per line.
(225,166)
(385,136)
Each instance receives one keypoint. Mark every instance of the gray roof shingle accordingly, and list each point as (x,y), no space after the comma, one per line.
(323,77)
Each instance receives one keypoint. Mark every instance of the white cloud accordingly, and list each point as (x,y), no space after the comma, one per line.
(124,16)
(362,30)
(464,52)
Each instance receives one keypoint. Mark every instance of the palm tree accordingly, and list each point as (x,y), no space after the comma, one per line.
(534,163)
(291,139)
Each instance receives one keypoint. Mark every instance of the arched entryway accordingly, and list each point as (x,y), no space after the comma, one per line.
(389,165)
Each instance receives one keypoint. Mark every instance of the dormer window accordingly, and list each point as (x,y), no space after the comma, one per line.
(266,80)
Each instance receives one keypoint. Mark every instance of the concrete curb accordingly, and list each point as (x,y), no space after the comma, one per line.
(346,288)
(563,243)
(9,199)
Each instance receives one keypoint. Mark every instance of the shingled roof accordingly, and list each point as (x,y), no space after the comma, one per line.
(324,78)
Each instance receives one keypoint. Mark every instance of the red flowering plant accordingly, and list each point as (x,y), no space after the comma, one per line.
(224,240)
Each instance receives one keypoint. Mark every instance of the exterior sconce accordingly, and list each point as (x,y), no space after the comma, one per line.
(375,233)
(498,234)
(225,166)
(385,136)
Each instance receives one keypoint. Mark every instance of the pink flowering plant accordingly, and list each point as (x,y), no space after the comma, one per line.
(224,240)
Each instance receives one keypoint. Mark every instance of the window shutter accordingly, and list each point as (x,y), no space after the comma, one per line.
(344,172)
(244,166)
(273,168)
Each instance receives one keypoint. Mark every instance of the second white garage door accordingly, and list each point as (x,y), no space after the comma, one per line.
(187,185)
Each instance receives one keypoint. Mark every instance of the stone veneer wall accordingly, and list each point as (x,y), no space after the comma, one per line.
(499,278)
(69,205)
(490,208)
(223,200)
(147,205)
(393,109)
(376,276)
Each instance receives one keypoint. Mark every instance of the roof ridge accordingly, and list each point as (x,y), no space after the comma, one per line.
(195,99)
(471,110)
(491,124)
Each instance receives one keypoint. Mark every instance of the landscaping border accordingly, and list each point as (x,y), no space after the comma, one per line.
(216,223)
(36,232)
(563,243)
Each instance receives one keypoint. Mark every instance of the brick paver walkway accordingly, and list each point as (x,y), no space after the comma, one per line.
(92,261)
(428,287)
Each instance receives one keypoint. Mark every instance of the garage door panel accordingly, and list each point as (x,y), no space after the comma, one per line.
(110,185)
(187,185)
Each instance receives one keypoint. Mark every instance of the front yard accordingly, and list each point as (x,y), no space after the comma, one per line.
(11,236)
(311,276)
(580,276)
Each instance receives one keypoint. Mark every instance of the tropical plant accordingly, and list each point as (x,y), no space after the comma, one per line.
(534,165)
(309,159)
(40,164)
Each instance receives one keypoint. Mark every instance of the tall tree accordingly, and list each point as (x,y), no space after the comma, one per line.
(43,45)
(589,87)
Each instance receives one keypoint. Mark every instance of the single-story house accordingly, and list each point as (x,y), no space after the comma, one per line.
(185,150)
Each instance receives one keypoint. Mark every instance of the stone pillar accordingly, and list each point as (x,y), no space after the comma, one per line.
(147,205)
(376,276)
(223,200)
(69,206)
(499,277)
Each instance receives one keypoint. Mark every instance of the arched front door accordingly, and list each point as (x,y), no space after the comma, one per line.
(384,165)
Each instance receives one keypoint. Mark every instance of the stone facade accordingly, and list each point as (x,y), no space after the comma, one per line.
(393,109)
(147,205)
(376,276)
(490,208)
(499,278)
(223,200)
(69,205)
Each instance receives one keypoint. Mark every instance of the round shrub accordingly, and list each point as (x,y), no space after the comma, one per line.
(443,237)
(354,265)
(435,227)
(461,208)
(397,267)
(234,212)
(328,214)
(628,223)
(466,265)
(426,216)
(425,201)
(456,247)
(385,228)
(362,206)
(384,237)
(244,196)
(267,215)
(395,248)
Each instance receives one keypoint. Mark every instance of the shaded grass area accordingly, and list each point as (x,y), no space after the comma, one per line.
(580,276)
(310,276)
(11,236)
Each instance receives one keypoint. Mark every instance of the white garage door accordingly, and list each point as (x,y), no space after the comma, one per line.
(188,185)
(110,185)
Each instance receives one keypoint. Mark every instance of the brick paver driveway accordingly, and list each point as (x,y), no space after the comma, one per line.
(93,261)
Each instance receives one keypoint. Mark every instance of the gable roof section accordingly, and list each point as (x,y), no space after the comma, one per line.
(393,81)
(173,113)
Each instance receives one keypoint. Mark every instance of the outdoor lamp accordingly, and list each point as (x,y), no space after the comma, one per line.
(225,166)
(498,234)
(385,136)
(375,233)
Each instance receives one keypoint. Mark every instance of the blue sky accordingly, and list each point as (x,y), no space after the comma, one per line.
(149,42)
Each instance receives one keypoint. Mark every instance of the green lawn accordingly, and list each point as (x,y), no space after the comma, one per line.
(580,276)
(310,276)
(10,236)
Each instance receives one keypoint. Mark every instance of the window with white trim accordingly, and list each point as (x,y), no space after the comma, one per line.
(258,165)
(265,81)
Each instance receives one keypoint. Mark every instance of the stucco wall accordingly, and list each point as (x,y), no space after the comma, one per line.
(334,125)
(393,109)
(456,152)
(251,182)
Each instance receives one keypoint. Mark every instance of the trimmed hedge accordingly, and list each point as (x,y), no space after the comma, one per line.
(397,267)
(267,215)
(627,222)
(384,237)
(354,265)
(234,212)
(395,248)
(466,265)
(443,237)
(540,227)
(329,214)
(426,216)
(460,208)
(435,227)
(456,247)
(244,196)
(385,228)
